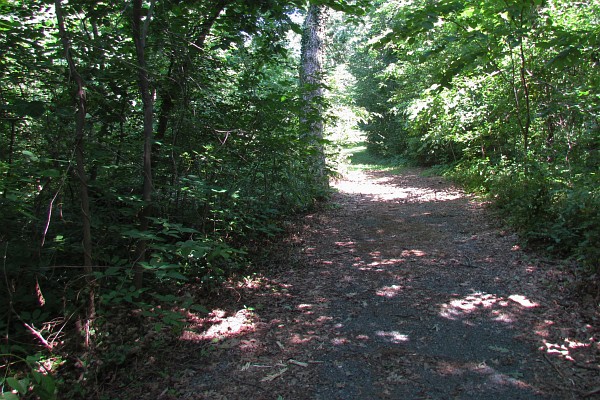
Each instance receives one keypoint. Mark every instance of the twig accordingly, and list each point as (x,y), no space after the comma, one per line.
(38,335)
(588,367)
(592,392)
(554,366)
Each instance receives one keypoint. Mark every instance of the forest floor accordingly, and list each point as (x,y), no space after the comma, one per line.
(403,287)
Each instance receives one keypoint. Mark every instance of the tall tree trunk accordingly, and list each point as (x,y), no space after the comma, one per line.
(140,33)
(80,170)
(311,81)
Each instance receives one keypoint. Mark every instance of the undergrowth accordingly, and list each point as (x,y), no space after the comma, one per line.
(556,210)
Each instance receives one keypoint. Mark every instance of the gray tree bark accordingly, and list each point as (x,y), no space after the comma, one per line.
(311,83)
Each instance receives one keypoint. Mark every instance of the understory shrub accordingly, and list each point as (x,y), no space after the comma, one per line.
(545,206)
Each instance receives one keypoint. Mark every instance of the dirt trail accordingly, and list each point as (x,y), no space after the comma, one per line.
(402,290)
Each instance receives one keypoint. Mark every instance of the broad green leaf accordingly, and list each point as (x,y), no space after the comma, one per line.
(30,155)
(18,385)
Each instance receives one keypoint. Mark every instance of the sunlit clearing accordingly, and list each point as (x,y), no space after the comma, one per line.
(393,336)
(389,291)
(382,190)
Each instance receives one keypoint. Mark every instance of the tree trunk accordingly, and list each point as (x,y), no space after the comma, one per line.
(140,32)
(311,81)
(80,171)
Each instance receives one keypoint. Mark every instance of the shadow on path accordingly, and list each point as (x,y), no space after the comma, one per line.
(402,290)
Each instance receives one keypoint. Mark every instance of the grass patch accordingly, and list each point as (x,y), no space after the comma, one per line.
(359,158)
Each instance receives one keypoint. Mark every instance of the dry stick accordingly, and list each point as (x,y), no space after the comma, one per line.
(588,367)
(554,366)
(592,392)
(38,335)
(51,207)
(558,371)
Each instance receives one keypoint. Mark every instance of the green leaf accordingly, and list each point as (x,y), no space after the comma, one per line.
(50,173)
(33,109)
(30,155)
(8,396)
(199,308)
(428,25)
(176,275)
(18,385)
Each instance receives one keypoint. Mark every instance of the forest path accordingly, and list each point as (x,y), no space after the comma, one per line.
(403,289)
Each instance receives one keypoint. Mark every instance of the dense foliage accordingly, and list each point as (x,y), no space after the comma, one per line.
(504,94)
(143,145)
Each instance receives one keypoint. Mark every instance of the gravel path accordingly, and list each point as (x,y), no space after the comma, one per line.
(403,289)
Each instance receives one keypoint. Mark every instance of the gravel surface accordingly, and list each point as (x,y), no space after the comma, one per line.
(404,288)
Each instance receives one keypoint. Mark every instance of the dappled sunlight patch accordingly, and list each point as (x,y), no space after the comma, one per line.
(413,253)
(218,326)
(468,304)
(383,180)
(389,291)
(323,319)
(393,336)
(300,339)
(445,195)
(347,244)
(305,307)
(339,341)
(446,368)
(568,347)
(478,301)
(252,282)
(503,317)
(386,262)
(258,282)
(522,301)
